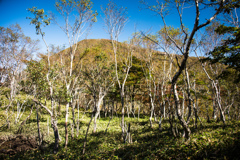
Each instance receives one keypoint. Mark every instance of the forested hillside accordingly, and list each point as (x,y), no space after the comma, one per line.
(173,94)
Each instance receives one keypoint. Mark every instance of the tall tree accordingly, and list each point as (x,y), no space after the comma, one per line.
(78,17)
(184,48)
(99,79)
(148,55)
(209,41)
(115,19)
(40,19)
(15,49)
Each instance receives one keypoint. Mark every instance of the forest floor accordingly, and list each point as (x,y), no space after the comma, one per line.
(208,141)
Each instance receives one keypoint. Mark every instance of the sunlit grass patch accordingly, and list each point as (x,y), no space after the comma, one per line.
(210,141)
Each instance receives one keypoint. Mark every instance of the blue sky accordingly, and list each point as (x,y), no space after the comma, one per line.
(15,11)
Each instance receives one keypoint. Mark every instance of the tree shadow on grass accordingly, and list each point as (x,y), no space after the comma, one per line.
(153,144)
(157,147)
(210,126)
(150,143)
(146,145)
(228,149)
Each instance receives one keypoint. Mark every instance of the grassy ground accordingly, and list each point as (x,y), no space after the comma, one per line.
(210,141)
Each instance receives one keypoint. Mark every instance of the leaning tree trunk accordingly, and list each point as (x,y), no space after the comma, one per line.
(21,125)
(54,125)
(85,140)
(179,114)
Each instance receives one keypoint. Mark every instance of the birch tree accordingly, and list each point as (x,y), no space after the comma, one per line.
(206,45)
(99,79)
(148,67)
(78,18)
(40,19)
(15,49)
(115,20)
(184,49)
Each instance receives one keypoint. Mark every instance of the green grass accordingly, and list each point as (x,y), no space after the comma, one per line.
(210,141)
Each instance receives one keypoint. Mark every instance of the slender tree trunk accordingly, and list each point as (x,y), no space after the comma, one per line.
(128,137)
(215,109)
(128,106)
(163,102)
(195,106)
(171,117)
(97,113)
(190,100)
(73,112)
(116,109)
(133,101)
(112,108)
(208,117)
(95,122)
(59,107)
(105,108)
(66,125)
(122,123)
(183,104)
(139,107)
(56,134)
(73,118)
(171,121)
(160,123)
(152,110)
(78,104)
(21,126)
(179,114)
(85,140)
(39,132)
(110,118)
(196,115)
(48,126)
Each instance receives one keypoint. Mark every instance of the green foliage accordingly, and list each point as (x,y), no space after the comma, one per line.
(200,82)
(175,33)
(39,18)
(230,5)
(37,77)
(228,53)
(82,7)
(136,73)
